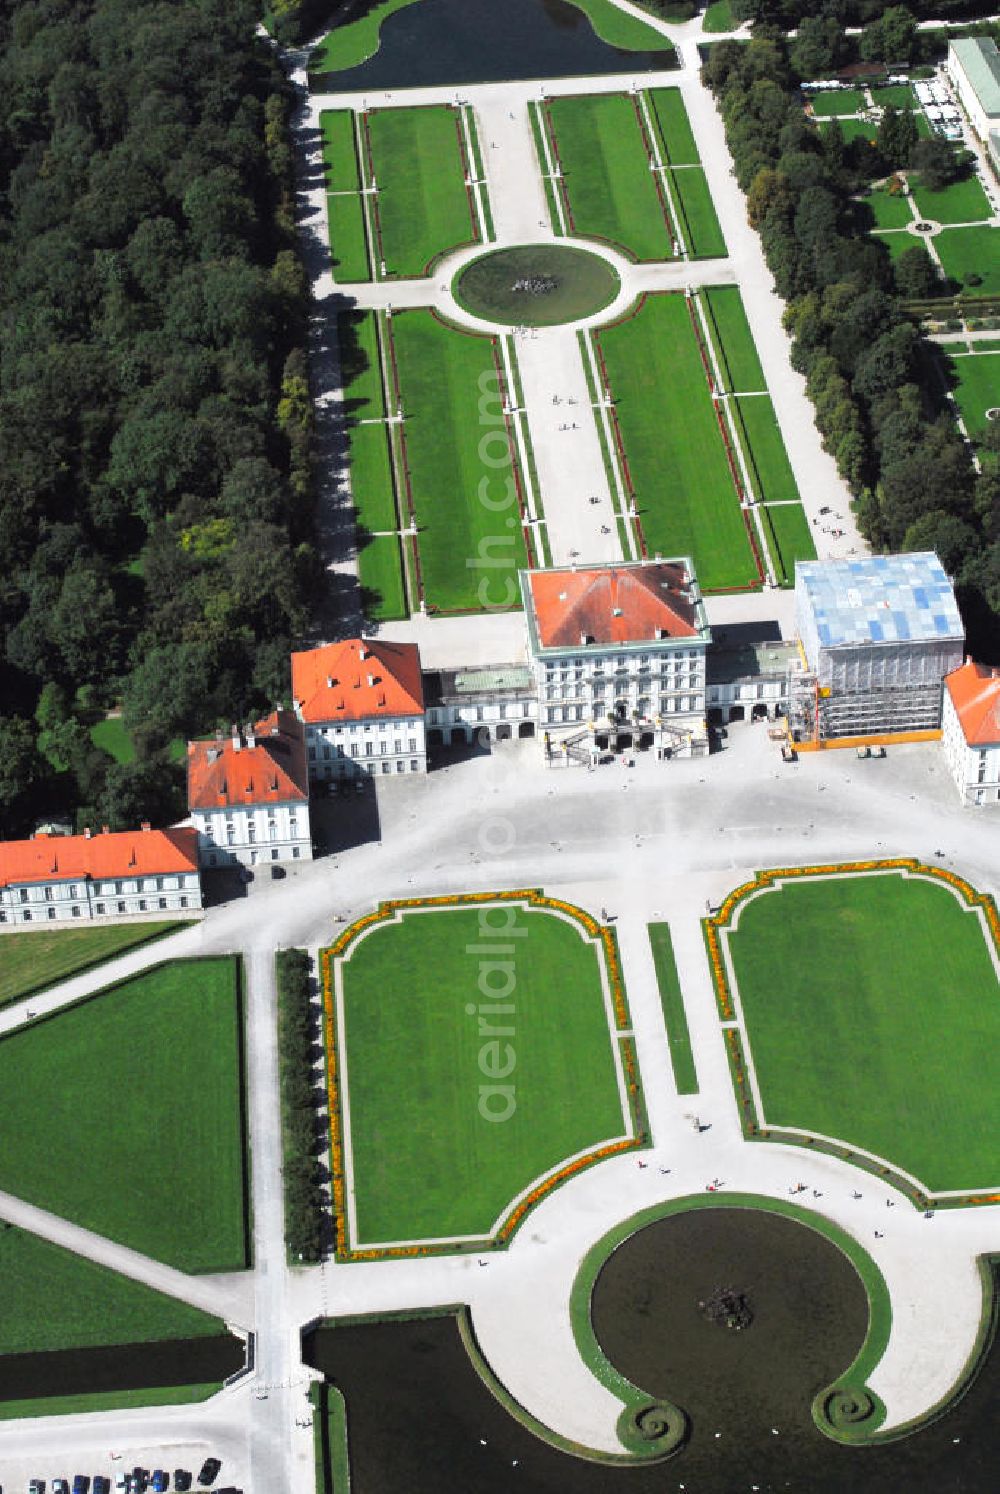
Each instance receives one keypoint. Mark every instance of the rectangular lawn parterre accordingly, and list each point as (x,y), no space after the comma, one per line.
(685,492)
(735,348)
(345,210)
(467,549)
(770,470)
(674,1015)
(699,220)
(608,188)
(677,142)
(428,1063)
(31,962)
(380,572)
(789,537)
(125,1114)
(872,1011)
(422,207)
(838,101)
(850,129)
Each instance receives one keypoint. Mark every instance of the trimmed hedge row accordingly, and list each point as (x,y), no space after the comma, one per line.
(305,1200)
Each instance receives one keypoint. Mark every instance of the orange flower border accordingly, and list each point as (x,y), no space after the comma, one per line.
(734,1042)
(532,897)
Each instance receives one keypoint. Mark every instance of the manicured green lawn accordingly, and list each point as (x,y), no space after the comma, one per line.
(974,251)
(735,348)
(962,202)
(672,999)
(114,738)
(422,204)
(895,96)
(677,142)
(850,129)
(345,212)
(124,1113)
(53,1299)
(977,390)
(347,46)
(468,551)
(381,575)
(719,17)
(30,962)
(371,477)
(698,215)
(873,1015)
(371,470)
(608,187)
(425,1066)
(770,471)
(889,210)
(789,537)
(621,30)
(838,101)
(896,241)
(686,497)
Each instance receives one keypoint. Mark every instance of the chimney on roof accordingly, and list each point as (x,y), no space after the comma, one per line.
(86,832)
(251,735)
(329,682)
(363,651)
(371,679)
(145,825)
(105,830)
(235,733)
(616,612)
(218,736)
(213,754)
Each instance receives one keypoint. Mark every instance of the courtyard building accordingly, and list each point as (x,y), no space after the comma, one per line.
(74,878)
(362,704)
(971,731)
(485,703)
(878,636)
(618,653)
(249,794)
(750,681)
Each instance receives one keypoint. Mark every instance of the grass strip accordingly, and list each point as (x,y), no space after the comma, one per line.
(33,962)
(736,349)
(789,538)
(676,455)
(611,468)
(672,1001)
(380,572)
(537,128)
(677,141)
(771,474)
(480,175)
(452,443)
(108,1400)
(611,193)
(107,1103)
(694,200)
(345,209)
(305,1200)
(621,30)
(424,204)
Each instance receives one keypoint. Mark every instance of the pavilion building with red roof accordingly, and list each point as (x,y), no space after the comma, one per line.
(361,702)
(619,658)
(77,878)
(970,731)
(248,794)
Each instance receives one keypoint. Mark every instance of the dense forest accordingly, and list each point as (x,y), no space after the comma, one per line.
(786,14)
(156,506)
(870,374)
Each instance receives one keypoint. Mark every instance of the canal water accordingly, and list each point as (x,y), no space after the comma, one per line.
(421,1420)
(488,41)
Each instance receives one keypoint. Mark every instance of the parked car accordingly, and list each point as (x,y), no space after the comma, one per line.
(37,1486)
(159,1480)
(182,1480)
(102,1485)
(209,1471)
(60,1486)
(81,1483)
(121,1481)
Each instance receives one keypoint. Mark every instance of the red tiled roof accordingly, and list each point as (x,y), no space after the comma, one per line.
(128,853)
(272,771)
(357,680)
(975,694)
(612,604)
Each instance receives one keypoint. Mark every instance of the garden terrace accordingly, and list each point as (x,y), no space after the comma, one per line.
(898,1064)
(467,1080)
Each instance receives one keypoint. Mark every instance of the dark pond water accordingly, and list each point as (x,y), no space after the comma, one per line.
(489,41)
(180,1361)
(417,1409)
